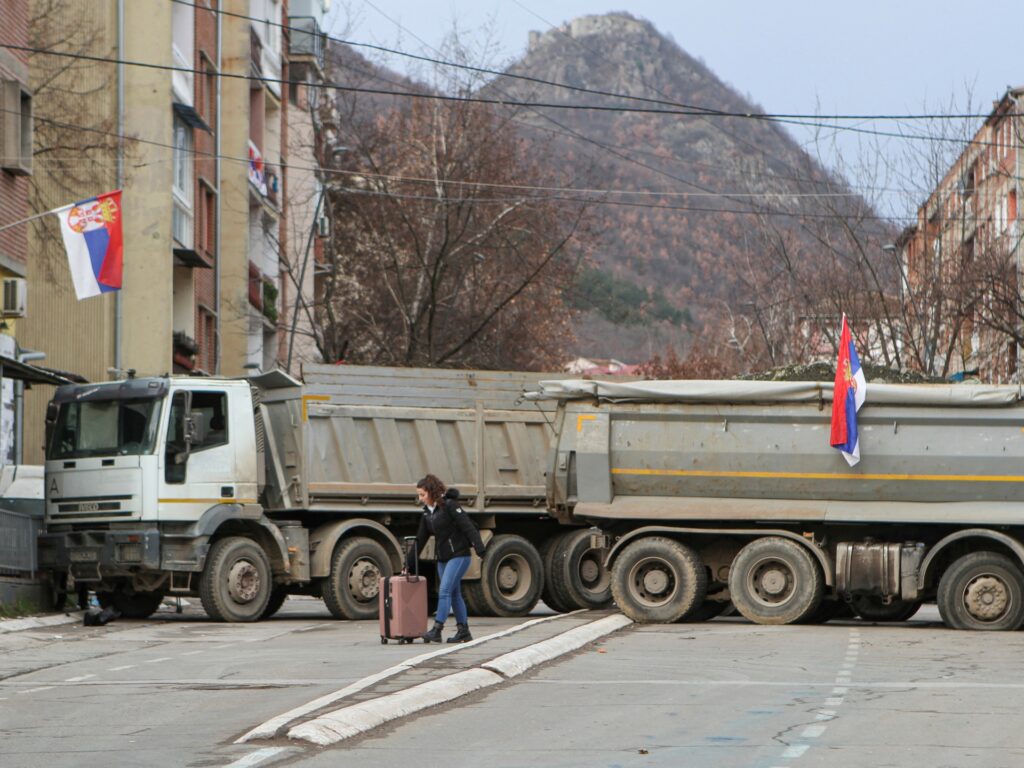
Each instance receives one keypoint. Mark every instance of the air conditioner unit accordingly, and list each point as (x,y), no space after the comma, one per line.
(15,297)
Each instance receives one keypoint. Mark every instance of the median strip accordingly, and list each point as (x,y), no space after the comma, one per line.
(344,723)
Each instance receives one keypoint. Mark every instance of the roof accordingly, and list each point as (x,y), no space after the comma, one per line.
(10,368)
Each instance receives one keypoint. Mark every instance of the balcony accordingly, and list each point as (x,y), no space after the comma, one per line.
(307,41)
(257,169)
(255,287)
(255,53)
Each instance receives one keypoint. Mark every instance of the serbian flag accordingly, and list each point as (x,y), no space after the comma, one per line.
(847,397)
(92,238)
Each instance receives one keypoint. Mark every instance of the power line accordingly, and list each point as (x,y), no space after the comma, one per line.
(537,105)
(594,91)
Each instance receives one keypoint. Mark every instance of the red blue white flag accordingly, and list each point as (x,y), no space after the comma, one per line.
(848,395)
(91,230)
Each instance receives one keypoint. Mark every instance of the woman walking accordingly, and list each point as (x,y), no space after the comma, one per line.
(454,533)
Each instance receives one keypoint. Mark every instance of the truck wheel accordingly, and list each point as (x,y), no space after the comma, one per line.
(871,608)
(775,581)
(236,583)
(473,595)
(353,588)
(982,590)
(277,597)
(828,610)
(138,605)
(655,579)
(553,595)
(579,572)
(511,576)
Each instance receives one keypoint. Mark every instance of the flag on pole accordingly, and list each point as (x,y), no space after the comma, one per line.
(848,395)
(91,230)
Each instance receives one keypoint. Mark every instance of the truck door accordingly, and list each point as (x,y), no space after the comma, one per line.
(198,472)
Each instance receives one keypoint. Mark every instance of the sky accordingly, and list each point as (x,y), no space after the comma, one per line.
(788,56)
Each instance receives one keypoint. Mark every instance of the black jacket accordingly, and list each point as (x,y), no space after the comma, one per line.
(453,531)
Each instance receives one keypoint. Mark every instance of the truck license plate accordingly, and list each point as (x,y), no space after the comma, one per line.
(84,555)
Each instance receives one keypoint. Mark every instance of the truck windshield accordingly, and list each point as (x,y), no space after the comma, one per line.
(104,428)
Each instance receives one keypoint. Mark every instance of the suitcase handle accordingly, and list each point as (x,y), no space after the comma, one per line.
(415,559)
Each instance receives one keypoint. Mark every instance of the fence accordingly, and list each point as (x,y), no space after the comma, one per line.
(18,532)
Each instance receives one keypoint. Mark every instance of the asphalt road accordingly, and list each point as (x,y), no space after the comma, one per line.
(178,690)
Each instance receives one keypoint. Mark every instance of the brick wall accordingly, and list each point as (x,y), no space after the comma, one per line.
(13,189)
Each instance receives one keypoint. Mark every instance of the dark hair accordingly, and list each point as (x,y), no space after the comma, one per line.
(433,486)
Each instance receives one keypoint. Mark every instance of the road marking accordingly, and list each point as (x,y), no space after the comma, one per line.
(257,757)
(118,669)
(840,691)
(154,661)
(78,679)
(813,731)
(270,728)
(191,653)
(34,690)
(834,701)
(826,714)
(795,751)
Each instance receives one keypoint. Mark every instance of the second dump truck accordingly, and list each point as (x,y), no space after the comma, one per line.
(711,492)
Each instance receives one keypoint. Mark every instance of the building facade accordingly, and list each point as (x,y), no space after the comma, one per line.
(961,261)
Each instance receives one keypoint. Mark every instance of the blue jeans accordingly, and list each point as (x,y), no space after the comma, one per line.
(449,590)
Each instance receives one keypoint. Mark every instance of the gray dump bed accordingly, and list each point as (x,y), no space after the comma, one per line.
(357,438)
(760,451)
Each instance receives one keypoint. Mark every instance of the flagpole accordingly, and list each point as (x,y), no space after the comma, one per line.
(19,222)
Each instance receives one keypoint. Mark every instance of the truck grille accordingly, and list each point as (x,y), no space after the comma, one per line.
(91,506)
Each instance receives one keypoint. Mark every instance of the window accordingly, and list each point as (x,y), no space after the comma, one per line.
(207,90)
(15,128)
(104,428)
(183,182)
(210,430)
(207,213)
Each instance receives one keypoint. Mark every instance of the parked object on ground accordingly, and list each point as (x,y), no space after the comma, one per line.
(728,491)
(403,608)
(241,492)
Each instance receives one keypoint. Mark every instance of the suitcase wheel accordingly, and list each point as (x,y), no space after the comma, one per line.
(383,640)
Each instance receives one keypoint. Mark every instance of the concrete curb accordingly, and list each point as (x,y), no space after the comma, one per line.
(517,662)
(359,718)
(34,622)
(270,728)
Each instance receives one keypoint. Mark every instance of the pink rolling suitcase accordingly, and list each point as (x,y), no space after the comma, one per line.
(403,608)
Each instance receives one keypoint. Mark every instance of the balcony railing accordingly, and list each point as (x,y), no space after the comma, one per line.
(306,39)
(255,52)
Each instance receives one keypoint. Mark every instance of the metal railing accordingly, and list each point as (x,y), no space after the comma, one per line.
(306,38)
(18,534)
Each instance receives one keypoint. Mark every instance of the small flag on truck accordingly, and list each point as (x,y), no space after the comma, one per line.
(91,230)
(848,395)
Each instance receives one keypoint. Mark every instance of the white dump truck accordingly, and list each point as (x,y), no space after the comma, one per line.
(243,491)
(711,492)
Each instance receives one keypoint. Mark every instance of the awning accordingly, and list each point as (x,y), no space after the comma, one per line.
(31,374)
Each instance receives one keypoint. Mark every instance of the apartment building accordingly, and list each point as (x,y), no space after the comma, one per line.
(962,259)
(15,170)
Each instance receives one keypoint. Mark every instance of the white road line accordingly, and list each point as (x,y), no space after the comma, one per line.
(78,679)
(268,729)
(191,653)
(813,731)
(118,669)
(154,661)
(834,701)
(257,757)
(840,691)
(33,690)
(795,751)
(826,714)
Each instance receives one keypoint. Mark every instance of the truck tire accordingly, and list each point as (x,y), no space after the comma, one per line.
(277,597)
(579,574)
(775,581)
(473,595)
(511,576)
(138,605)
(871,608)
(352,590)
(554,596)
(828,610)
(236,583)
(982,590)
(658,580)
